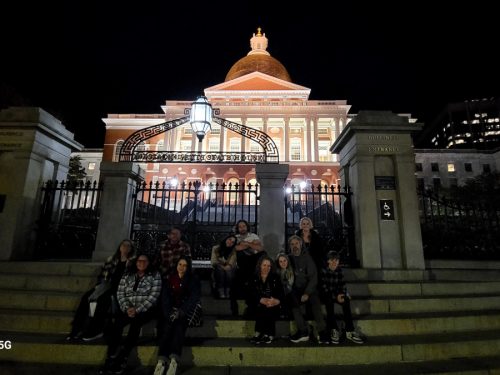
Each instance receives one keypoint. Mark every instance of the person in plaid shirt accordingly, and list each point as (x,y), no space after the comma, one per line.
(138,292)
(170,252)
(334,291)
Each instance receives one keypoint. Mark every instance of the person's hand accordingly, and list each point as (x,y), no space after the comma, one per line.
(131,312)
(304,298)
(273,302)
(174,315)
(227,267)
(341,298)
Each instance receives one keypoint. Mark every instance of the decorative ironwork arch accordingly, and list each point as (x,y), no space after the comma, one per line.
(129,153)
(128,148)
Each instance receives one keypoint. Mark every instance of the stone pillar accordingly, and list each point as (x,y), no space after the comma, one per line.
(120,181)
(271,178)
(34,147)
(377,160)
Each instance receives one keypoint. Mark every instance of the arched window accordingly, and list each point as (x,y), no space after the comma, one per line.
(253,196)
(116,153)
(159,145)
(232,195)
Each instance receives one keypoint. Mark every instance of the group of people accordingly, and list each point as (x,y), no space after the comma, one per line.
(133,289)
(307,275)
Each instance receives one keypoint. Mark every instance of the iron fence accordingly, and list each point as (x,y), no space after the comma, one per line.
(69,216)
(458,230)
(205,213)
(329,208)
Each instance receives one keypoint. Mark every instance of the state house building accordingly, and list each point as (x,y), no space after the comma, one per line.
(258,93)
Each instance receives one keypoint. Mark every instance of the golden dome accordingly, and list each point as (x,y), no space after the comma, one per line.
(258,63)
(258,60)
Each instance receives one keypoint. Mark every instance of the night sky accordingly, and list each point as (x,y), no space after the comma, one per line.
(84,60)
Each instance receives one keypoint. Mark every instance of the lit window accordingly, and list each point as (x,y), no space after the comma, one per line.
(185,145)
(235,145)
(323,153)
(254,147)
(118,148)
(213,144)
(91,166)
(451,167)
(295,149)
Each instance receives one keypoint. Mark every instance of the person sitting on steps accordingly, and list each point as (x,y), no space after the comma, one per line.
(334,291)
(88,324)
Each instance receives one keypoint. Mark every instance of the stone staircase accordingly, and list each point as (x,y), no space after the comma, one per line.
(433,321)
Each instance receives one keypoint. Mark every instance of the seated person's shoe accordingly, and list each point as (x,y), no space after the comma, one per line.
(299,337)
(91,336)
(324,337)
(354,337)
(266,339)
(335,337)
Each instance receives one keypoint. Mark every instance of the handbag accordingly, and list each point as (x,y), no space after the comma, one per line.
(195,316)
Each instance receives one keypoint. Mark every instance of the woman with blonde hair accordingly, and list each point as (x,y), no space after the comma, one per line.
(312,242)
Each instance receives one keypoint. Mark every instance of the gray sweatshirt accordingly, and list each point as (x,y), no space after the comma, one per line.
(306,274)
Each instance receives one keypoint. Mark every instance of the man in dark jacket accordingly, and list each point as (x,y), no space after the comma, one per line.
(304,292)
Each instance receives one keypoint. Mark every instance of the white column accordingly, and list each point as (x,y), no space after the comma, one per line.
(308,138)
(286,135)
(315,138)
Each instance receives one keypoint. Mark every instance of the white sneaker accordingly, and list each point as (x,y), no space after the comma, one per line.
(335,336)
(354,337)
(172,368)
(160,367)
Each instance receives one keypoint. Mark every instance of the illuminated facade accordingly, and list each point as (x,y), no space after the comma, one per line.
(259,94)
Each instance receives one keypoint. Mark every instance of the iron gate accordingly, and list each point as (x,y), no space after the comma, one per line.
(205,213)
(69,216)
(330,210)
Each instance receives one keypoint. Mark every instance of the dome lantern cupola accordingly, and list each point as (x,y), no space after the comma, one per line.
(258,60)
(258,43)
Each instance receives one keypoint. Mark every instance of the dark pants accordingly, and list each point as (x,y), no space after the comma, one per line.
(82,321)
(265,319)
(298,314)
(223,278)
(172,338)
(243,275)
(331,323)
(115,332)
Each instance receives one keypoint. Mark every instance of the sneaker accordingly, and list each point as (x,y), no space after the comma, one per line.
(354,337)
(299,337)
(256,339)
(172,368)
(160,368)
(324,337)
(91,336)
(266,339)
(335,337)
